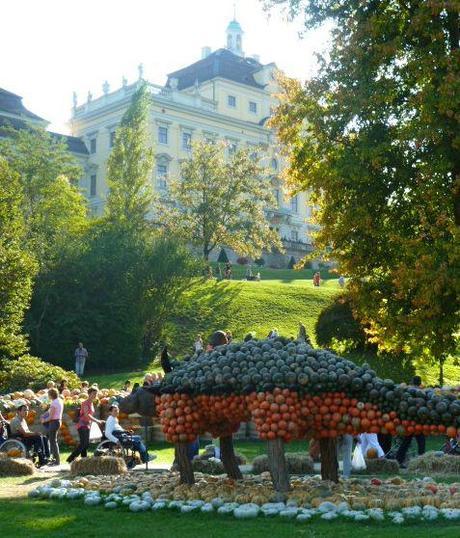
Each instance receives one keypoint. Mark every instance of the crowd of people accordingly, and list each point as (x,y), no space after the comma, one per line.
(46,446)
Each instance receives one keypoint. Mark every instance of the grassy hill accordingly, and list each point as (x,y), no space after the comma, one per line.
(282,302)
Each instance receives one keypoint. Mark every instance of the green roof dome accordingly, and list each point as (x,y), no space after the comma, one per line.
(234,25)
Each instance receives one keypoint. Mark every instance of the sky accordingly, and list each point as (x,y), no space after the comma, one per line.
(51,48)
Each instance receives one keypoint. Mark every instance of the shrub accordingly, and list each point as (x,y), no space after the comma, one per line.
(242,260)
(223,258)
(291,263)
(259,262)
(336,324)
(31,372)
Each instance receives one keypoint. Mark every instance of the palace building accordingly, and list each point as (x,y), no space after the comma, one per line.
(224,96)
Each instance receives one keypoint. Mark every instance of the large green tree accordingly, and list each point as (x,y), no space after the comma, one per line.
(129,168)
(220,201)
(17,268)
(115,288)
(53,208)
(376,137)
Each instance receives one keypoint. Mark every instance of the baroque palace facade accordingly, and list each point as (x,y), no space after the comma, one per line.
(225,96)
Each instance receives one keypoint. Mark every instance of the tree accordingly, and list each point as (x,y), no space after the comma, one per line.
(219,201)
(51,204)
(118,285)
(54,211)
(375,136)
(17,267)
(129,168)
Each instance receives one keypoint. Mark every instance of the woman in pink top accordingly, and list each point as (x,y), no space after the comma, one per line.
(54,421)
(84,425)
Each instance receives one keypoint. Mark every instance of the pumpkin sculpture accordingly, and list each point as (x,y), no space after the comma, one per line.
(290,391)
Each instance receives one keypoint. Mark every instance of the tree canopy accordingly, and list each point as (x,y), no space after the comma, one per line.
(376,137)
(129,168)
(17,268)
(220,201)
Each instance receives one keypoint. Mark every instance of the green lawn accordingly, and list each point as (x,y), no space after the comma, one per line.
(28,519)
(267,273)
(260,306)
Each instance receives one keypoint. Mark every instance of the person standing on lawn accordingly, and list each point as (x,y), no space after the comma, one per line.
(84,425)
(81,354)
(54,421)
(420,438)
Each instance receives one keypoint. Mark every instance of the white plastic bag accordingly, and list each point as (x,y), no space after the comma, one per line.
(95,432)
(358,463)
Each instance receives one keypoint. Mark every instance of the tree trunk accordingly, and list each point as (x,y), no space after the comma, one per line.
(228,458)
(329,463)
(278,465)
(441,372)
(185,465)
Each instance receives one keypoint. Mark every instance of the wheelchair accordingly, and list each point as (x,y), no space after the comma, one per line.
(119,450)
(14,443)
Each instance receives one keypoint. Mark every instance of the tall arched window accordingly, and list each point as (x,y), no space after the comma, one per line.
(274,164)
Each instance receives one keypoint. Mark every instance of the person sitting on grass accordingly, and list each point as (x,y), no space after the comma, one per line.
(35,440)
(115,433)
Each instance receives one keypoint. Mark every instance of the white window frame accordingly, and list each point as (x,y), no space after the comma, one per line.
(93,185)
(165,130)
(229,99)
(294,235)
(162,179)
(92,140)
(295,204)
(186,147)
(255,107)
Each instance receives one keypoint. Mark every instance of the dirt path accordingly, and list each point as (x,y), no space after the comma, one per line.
(15,487)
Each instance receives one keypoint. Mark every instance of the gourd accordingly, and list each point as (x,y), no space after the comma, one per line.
(92,500)
(111,505)
(14,453)
(371,453)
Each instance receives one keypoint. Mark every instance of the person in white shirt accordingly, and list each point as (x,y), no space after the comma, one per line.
(115,433)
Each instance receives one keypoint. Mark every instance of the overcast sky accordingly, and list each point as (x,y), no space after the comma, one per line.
(50,48)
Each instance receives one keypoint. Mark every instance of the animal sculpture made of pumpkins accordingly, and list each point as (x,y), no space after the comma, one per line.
(291,390)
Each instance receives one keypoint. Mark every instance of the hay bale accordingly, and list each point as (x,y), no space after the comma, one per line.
(16,467)
(297,463)
(381,465)
(435,462)
(101,465)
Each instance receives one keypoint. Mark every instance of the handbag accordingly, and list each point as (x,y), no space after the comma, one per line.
(358,463)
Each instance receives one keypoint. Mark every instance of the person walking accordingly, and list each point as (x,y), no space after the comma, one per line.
(84,425)
(81,354)
(407,440)
(54,421)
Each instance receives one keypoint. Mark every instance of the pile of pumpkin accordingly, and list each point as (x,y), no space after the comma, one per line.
(359,499)
(38,403)
(292,391)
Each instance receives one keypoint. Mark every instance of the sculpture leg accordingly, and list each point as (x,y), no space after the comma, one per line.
(228,458)
(278,465)
(329,463)
(184,464)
